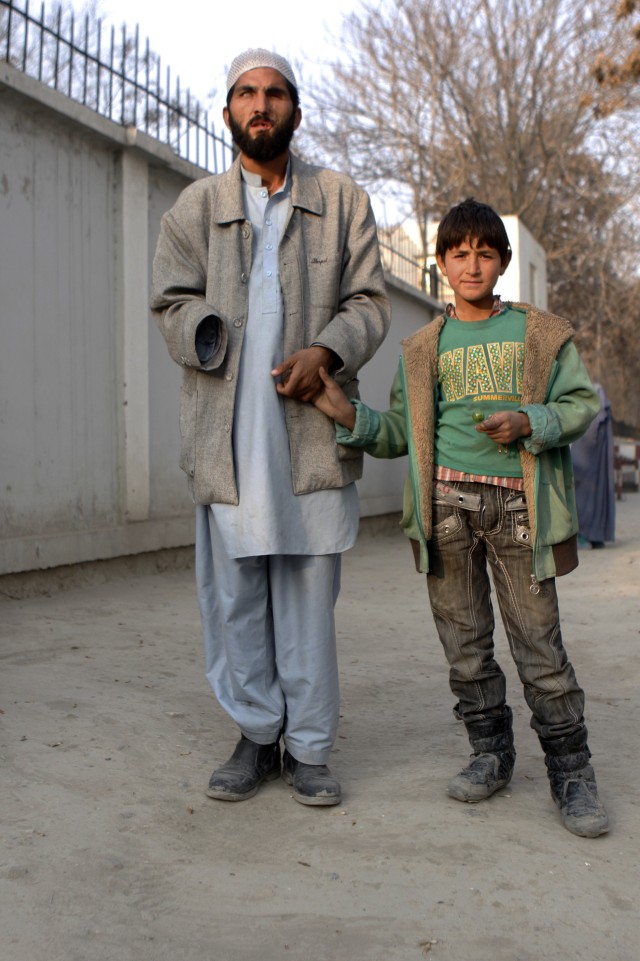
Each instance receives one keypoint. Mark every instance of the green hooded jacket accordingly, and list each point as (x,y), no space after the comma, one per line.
(557,396)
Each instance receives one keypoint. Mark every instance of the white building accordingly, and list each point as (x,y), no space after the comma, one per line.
(526,277)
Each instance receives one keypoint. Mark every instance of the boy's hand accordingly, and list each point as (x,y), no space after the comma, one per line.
(299,373)
(506,426)
(333,402)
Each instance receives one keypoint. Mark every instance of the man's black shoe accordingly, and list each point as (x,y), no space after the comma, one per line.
(249,765)
(312,784)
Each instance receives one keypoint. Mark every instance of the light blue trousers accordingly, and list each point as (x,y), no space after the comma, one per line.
(270,641)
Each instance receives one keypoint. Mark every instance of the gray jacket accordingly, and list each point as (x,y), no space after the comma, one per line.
(333,292)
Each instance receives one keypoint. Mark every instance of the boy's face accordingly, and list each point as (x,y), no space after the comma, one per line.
(472,271)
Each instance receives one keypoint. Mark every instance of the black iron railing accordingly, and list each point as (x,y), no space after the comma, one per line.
(401,258)
(112,73)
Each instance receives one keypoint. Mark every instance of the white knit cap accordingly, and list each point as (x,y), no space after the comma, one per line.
(259,57)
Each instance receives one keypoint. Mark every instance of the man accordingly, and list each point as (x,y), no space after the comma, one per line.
(263,275)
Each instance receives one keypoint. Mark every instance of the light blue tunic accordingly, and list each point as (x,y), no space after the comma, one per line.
(270,518)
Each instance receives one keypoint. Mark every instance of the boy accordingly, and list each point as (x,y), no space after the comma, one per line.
(486,402)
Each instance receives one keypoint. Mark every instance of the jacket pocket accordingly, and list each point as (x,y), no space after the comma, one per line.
(324,272)
(349,453)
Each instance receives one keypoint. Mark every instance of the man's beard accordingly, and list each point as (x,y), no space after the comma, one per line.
(268,144)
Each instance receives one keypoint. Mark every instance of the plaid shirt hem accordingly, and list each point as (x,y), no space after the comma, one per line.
(448,474)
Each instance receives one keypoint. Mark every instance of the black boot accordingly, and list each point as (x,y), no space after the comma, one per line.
(573,785)
(249,765)
(312,783)
(491,764)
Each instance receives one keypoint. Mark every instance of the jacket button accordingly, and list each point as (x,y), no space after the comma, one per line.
(227,426)
(228,376)
(237,323)
(243,278)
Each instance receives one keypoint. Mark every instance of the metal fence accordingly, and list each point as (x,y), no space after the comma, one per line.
(112,73)
(402,258)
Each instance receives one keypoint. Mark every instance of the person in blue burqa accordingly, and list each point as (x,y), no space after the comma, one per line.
(593,468)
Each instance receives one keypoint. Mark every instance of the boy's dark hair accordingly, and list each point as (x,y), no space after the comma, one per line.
(293,93)
(475,221)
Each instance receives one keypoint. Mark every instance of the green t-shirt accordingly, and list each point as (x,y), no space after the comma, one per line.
(480,368)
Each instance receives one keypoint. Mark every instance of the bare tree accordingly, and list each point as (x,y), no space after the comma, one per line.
(433,102)
(616,72)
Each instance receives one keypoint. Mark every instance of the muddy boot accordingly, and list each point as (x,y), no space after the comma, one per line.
(241,776)
(491,764)
(573,785)
(312,783)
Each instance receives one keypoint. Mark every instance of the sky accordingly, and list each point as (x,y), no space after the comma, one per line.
(199,40)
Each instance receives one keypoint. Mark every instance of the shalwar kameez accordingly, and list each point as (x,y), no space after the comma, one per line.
(268,568)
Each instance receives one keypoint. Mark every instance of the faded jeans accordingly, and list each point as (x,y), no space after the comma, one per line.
(477,527)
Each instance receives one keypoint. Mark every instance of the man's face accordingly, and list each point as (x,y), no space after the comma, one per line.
(261,115)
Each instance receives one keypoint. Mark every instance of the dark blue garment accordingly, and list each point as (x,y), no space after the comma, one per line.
(593,467)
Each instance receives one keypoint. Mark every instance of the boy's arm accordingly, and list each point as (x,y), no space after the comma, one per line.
(333,402)
(572,404)
(381,434)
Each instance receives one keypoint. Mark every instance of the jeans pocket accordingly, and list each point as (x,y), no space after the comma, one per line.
(446,522)
(521,529)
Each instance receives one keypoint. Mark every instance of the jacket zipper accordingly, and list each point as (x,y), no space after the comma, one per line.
(535,588)
(415,484)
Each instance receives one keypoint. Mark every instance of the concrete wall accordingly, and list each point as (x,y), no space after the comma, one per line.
(88,395)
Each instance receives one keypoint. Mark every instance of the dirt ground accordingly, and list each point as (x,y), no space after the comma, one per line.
(112,851)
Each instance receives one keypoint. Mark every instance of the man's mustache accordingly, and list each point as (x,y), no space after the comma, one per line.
(260,118)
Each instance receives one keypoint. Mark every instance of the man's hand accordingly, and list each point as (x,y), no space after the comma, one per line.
(333,402)
(506,426)
(300,373)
